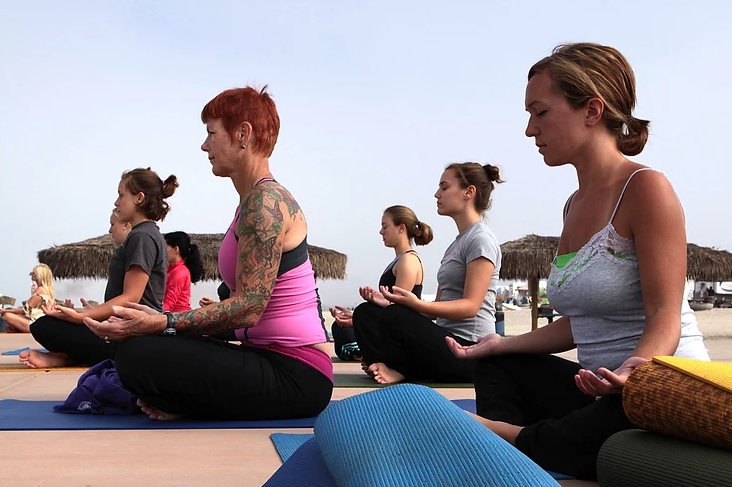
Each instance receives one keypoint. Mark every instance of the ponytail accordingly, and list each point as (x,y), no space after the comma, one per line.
(188,251)
(634,140)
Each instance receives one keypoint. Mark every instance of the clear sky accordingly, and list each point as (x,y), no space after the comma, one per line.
(375,98)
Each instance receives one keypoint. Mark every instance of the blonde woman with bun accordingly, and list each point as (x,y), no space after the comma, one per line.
(19,319)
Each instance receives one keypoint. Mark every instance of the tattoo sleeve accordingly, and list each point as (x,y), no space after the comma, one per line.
(261,234)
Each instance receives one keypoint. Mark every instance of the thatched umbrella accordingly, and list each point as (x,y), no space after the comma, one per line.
(707,264)
(530,258)
(90,258)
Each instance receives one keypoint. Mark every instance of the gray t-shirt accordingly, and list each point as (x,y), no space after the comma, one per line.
(475,242)
(144,247)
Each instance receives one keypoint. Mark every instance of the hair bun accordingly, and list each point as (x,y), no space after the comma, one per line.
(493,173)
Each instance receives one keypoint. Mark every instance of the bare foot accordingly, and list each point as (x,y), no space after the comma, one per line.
(365,368)
(155,413)
(35,359)
(384,375)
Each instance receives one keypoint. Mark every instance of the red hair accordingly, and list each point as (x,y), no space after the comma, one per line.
(238,105)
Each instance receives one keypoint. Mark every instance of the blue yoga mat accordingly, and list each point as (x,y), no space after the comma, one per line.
(39,415)
(308,454)
(404,436)
(17,352)
(287,443)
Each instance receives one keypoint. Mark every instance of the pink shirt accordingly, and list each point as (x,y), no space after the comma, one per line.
(177,288)
(291,322)
(228,255)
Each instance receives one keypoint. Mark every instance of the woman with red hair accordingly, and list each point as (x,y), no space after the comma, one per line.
(281,369)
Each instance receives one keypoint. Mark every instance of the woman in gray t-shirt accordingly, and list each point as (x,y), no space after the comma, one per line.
(137,273)
(414,346)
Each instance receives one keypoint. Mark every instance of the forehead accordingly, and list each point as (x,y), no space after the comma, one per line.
(215,123)
(448,176)
(539,89)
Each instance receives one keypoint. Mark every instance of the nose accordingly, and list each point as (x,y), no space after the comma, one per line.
(531,129)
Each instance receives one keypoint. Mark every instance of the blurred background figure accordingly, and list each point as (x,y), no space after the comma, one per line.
(184,268)
(19,319)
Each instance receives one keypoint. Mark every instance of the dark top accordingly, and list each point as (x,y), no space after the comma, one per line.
(144,247)
(389,279)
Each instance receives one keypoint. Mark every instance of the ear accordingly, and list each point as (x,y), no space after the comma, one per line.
(469,191)
(244,134)
(139,198)
(594,111)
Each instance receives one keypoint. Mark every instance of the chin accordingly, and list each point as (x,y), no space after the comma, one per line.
(554,162)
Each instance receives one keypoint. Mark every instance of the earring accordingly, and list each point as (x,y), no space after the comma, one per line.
(243,146)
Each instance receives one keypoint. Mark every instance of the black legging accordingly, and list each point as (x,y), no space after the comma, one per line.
(76,341)
(198,376)
(564,428)
(409,343)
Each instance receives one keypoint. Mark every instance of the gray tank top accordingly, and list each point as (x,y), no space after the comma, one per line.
(599,290)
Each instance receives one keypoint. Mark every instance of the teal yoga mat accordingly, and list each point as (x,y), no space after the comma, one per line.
(404,435)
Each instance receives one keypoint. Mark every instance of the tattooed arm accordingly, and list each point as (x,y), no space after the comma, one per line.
(265,215)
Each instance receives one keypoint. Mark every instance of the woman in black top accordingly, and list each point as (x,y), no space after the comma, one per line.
(399,229)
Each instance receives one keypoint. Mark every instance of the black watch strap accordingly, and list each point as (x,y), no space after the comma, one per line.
(170,326)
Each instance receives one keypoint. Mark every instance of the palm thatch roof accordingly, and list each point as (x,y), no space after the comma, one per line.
(707,264)
(528,257)
(531,256)
(90,258)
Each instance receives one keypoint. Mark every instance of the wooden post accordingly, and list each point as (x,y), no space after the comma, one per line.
(534,293)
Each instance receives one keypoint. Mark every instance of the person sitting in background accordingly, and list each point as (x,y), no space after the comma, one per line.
(119,231)
(19,319)
(223,293)
(184,267)
(400,227)
(137,273)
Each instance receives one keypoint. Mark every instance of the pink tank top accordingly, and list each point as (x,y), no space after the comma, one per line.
(227,255)
(291,322)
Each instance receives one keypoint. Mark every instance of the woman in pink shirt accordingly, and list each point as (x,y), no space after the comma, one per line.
(281,368)
(184,268)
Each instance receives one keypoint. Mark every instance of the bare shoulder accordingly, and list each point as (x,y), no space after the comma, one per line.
(650,187)
(652,201)
(408,260)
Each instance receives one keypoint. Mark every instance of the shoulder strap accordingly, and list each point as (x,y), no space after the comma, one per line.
(412,251)
(617,205)
(566,206)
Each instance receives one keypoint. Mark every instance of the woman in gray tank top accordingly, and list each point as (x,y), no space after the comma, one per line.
(618,278)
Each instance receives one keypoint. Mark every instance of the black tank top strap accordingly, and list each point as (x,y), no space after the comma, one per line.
(412,251)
